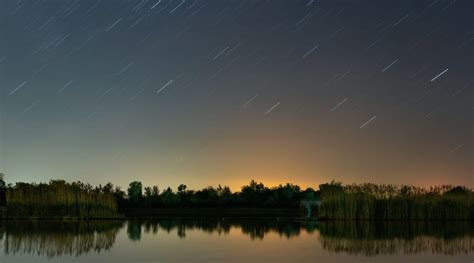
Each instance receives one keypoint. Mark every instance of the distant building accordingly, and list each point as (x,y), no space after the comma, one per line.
(311,207)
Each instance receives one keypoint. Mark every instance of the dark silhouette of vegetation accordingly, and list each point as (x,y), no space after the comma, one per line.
(332,201)
(3,188)
(390,202)
(60,199)
(135,190)
(255,195)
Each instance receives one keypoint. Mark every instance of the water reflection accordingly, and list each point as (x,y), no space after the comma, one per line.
(389,238)
(54,239)
(254,228)
(58,238)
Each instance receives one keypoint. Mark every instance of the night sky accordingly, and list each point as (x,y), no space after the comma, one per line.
(220,92)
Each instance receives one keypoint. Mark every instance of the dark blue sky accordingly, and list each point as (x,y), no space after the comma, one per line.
(208,92)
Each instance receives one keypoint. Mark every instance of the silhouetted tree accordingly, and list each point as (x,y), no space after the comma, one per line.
(148,191)
(181,188)
(169,198)
(3,187)
(135,189)
(155,191)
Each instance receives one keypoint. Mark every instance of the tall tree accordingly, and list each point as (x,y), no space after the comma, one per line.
(135,190)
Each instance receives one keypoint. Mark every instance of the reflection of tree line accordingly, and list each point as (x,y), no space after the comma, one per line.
(254,228)
(78,238)
(58,238)
(419,244)
(380,238)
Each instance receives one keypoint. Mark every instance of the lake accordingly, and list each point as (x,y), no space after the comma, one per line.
(234,240)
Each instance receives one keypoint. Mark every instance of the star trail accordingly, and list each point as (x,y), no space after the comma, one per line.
(220,92)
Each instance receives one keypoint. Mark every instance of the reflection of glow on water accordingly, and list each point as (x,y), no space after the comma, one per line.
(53,239)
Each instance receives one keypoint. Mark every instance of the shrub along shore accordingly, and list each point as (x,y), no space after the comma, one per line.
(332,201)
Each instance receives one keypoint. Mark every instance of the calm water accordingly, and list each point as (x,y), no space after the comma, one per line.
(234,240)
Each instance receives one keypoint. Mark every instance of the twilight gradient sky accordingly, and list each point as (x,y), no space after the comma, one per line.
(220,92)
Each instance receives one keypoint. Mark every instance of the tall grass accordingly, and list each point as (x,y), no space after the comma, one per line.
(60,199)
(389,202)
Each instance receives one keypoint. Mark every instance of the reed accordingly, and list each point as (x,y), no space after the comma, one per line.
(391,202)
(60,199)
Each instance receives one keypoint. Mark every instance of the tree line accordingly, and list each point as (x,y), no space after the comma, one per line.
(331,201)
(252,195)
